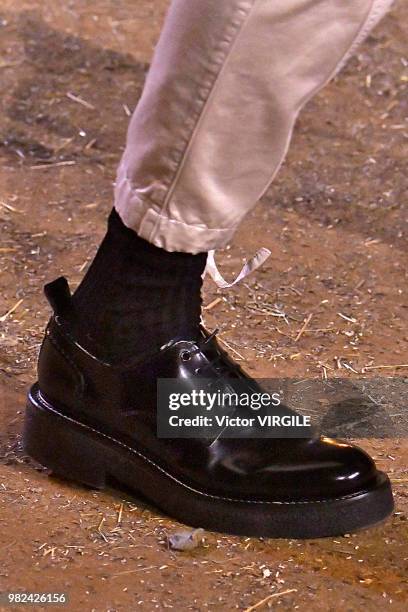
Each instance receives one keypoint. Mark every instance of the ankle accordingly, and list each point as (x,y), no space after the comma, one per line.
(135,293)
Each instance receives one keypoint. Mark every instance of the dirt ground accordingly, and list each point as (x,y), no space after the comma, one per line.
(336,223)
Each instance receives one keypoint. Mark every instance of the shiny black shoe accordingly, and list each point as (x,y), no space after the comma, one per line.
(95,423)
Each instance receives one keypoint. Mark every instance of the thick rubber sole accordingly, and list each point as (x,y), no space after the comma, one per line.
(78,452)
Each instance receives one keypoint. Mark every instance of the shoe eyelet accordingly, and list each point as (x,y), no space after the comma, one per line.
(197,371)
(185,355)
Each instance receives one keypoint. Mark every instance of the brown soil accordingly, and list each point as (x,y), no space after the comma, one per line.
(336,223)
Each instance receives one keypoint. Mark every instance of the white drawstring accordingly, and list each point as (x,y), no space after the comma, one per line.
(255,262)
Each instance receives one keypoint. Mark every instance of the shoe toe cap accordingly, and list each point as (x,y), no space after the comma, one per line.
(344,469)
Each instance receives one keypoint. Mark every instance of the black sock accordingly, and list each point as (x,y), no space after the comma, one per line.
(136,297)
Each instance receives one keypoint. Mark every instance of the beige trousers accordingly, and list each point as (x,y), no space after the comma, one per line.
(215,119)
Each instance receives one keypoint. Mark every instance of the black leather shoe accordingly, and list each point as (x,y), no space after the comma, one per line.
(95,423)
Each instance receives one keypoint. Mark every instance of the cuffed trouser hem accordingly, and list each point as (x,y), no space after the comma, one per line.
(151,224)
(170,234)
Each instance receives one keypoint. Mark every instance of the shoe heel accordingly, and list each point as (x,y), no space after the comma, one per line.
(63,447)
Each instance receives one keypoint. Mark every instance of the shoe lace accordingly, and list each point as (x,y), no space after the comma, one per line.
(219,362)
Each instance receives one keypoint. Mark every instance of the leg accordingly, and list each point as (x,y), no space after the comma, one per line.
(209,133)
(216,116)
